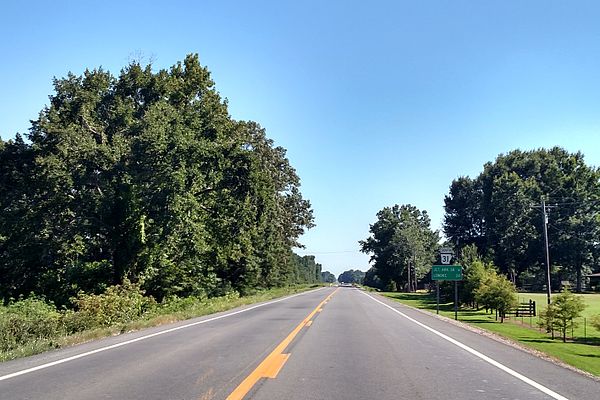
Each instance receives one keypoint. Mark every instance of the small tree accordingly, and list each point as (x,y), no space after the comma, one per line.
(497,292)
(474,275)
(566,307)
(546,320)
(596,322)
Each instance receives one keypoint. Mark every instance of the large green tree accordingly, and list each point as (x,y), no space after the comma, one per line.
(146,176)
(402,246)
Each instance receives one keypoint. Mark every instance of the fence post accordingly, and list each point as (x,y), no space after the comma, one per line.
(572,335)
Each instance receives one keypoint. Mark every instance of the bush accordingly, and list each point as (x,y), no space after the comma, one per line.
(174,304)
(27,321)
(118,304)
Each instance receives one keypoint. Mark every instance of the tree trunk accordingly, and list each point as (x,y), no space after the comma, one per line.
(578,267)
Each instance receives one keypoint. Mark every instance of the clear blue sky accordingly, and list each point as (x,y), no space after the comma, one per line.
(377,102)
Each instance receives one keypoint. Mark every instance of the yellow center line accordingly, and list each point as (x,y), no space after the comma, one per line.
(272,364)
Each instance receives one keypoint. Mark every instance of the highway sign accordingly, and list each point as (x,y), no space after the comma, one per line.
(446,254)
(446,273)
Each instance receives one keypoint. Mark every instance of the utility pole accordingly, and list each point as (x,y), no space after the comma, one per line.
(545,217)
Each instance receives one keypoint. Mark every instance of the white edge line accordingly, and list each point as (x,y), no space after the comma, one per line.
(485,358)
(114,346)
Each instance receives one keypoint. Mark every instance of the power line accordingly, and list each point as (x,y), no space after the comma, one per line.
(328,252)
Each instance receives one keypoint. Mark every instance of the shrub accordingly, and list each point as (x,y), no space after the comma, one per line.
(118,304)
(174,304)
(27,321)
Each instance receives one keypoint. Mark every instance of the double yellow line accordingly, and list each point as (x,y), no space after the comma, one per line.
(272,364)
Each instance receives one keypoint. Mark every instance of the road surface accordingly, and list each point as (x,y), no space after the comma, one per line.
(332,343)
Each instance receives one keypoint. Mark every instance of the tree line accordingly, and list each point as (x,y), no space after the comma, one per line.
(500,211)
(352,276)
(500,214)
(145,176)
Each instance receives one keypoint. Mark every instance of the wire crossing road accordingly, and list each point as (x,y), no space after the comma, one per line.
(325,344)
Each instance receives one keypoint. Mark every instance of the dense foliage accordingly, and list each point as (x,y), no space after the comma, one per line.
(352,276)
(146,177)
(306,270)
(402,247)
(327,277)
(500,212)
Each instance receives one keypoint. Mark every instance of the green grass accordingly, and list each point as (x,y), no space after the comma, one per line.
(582,354)
(184,310)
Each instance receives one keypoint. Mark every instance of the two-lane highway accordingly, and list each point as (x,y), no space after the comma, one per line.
(325,344)
(201,359)
(367,347)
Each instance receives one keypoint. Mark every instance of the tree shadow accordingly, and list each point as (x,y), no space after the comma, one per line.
(588,355)
(594,341)
(482,321)
(549,340)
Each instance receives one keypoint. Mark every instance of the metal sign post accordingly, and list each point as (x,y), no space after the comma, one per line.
(455,300)
(437,289)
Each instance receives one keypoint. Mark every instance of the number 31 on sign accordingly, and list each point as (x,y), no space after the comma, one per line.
(446,258)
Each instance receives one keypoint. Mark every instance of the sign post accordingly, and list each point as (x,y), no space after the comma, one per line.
(446,272)
(455,300)
(437,290)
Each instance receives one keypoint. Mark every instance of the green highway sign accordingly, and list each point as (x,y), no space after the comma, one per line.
(446,273)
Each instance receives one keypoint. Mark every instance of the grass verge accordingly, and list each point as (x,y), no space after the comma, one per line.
(186,309)
(584,355)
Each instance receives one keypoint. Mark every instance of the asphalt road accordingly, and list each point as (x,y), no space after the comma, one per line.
(324,344)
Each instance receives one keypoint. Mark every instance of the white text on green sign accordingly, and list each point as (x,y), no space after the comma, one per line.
(446,273)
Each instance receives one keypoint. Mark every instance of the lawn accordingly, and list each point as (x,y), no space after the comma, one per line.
(580,353)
